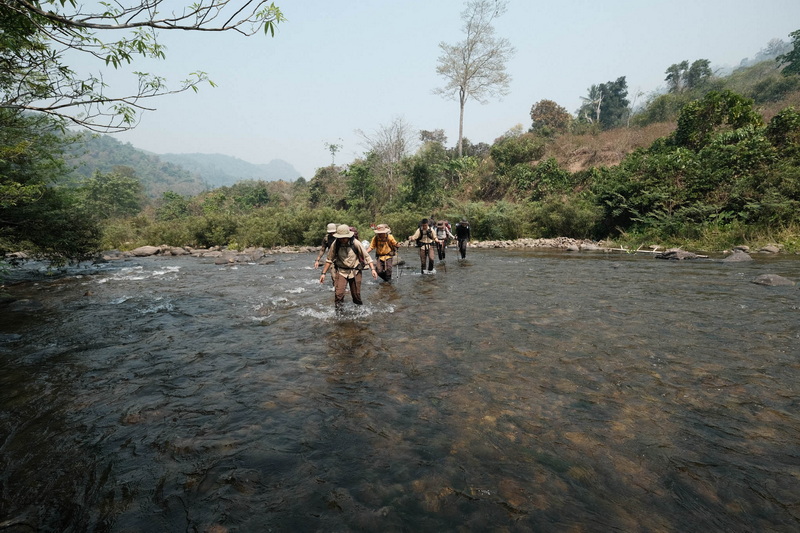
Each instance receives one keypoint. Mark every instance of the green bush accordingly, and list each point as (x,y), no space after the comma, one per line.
(566,216)
(258,230)
(515,150)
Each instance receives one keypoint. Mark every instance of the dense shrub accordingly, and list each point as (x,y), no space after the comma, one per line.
(566,216)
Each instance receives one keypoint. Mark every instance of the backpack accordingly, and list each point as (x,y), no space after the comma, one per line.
(362,261)
(429,233)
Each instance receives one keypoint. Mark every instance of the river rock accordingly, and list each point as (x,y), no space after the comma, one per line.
(144,251)
(769,249)
(773,280)
(173,250)
(676,255)
(737,257)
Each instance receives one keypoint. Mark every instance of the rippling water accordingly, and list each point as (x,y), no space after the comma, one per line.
(515,391)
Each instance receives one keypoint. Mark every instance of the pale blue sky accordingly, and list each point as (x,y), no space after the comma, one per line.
(336,67)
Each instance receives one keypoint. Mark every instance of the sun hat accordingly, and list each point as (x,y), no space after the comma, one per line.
(440,223)
(382,228)
(343,231)
(331,228)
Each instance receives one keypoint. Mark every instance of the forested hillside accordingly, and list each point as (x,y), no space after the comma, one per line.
(102,153)
(710,163)
(220,170)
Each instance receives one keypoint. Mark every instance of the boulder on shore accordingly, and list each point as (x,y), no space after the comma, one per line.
(145,251)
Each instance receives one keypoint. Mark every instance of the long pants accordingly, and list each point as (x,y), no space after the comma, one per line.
(441,249)
(340,286)
(462,248)
(384,268)
(426,255)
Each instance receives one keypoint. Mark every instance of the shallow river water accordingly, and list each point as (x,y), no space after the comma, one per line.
(514,391)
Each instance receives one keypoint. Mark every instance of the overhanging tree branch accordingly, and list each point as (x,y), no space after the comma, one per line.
(35,37)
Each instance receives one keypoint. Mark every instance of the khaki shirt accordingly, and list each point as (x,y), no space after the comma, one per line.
(427,238)
(345,261)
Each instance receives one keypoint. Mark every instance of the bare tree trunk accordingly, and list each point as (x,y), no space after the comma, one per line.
(462,100)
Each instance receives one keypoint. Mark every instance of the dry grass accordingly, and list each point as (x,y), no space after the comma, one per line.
(607,148)
(770,110)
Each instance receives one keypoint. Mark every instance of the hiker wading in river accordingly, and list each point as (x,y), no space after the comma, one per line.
(425,239)
(385,247)
(347,257)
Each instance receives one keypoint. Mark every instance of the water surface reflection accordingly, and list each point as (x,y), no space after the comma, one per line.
(517,390)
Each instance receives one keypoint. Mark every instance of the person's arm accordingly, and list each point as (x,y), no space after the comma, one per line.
(328,265)
(370,263)
(319,256)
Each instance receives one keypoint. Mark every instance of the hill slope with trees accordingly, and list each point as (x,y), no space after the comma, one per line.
(711,163)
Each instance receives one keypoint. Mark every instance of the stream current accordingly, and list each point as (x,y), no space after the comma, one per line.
(511,391)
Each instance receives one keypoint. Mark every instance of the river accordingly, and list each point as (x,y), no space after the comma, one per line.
(517,390)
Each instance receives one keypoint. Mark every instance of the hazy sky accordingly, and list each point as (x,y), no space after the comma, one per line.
(337,67)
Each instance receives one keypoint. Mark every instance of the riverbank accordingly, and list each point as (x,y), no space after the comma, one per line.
(224,255)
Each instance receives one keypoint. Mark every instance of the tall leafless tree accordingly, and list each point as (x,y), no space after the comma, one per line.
(475,67)
(390,143)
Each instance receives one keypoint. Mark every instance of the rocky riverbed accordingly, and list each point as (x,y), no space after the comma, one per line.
(222,255)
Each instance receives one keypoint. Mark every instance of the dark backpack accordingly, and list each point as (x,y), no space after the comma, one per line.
(429,233)
(361,259)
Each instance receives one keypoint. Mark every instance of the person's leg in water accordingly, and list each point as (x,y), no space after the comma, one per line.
(423,257)
(384,272)
(340,285)
(462,248)
(430,258)
(355,288)
(384,269)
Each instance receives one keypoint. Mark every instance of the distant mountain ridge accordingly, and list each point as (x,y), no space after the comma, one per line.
(220,170)
(185,174)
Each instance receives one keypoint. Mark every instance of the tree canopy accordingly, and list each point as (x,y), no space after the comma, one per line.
(548,117)
(791,58)
(681,76)
(606,104)
(475,67)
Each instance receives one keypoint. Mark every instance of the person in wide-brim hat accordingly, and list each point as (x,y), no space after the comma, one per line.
(347,258)
(385,247)
(327,241)
(343,232)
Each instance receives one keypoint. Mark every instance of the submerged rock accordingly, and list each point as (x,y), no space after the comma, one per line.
(677,255)
(737,256)
(772,280)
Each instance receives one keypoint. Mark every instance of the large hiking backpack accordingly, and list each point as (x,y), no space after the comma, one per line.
(429,233)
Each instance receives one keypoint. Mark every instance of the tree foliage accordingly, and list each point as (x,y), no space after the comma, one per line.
(39,213)
(475,68)
(38,36)
(606,104)
(113,195)
(718,109)
(548,118)
(682,77)
(792,58)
